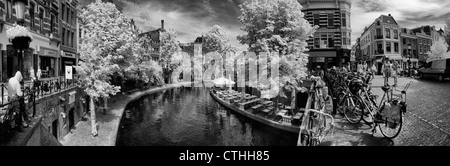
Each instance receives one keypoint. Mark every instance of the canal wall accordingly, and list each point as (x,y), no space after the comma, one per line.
(56,114)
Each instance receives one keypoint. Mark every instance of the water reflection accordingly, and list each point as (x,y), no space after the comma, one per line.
(191,117)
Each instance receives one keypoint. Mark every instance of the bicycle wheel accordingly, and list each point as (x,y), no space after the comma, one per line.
(340,104)
(391,128)
(353,109)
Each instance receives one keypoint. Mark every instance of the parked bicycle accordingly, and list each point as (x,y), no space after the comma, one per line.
(388,114)
(316,122)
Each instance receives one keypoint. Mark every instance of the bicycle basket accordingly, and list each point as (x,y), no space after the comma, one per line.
(390,113)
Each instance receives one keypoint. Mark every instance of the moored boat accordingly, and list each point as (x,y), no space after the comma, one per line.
(260,110)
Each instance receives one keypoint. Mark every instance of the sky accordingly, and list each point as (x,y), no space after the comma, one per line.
(191,18)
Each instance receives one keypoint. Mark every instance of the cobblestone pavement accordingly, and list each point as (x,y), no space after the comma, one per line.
(426,123)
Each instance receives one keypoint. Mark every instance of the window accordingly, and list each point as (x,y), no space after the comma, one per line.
(52,23)
(420,49)
(405,52)
(330,20)
(395,47)
(63,36)
(379,35)
(388,33)
(73,17)
(63,9)
(395,34)
(316,19)
(420,41)
(404,41)
(67,14)
(41,20)
(71,38)
(8,8)
(388,46)
(344,20)
(380,47)
(31,11)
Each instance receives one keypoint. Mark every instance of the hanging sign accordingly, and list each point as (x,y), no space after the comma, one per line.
(69,72)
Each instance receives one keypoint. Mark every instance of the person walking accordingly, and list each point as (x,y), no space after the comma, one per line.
(387,69)
(395,68)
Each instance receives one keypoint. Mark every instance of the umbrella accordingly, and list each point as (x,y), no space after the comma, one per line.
(223,81)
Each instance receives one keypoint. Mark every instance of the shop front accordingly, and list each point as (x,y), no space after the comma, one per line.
(67,59)
(325,59)
(48,60)
(11,63)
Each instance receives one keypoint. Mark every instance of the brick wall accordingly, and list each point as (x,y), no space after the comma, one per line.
(57,108)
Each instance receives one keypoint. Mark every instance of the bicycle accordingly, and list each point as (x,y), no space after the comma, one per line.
(388,115)
(348,102)
(314,128)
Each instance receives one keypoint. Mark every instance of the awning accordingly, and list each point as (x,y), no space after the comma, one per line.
(327,54)
(379,59)
(48,52)
(412,60)
(395,57)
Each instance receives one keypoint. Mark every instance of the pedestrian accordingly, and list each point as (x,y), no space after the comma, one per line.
(15,95)
(394,72)
(387,69)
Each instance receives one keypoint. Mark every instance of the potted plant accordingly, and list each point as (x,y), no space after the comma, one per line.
(19,36)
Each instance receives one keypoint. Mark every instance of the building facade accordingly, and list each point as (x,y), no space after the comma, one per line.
(331,43)
(381,41)
(42,19)
(154,37)
(68,23)
(427,36)
(409,48)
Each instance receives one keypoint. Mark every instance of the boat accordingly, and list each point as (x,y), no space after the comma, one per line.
(259,110)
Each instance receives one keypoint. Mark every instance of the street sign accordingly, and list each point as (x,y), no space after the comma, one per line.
(69,72)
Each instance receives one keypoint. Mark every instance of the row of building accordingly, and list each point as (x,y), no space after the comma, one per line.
(386,39)
(53,24)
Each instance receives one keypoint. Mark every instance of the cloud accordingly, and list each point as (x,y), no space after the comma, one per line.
(189,18)
(372,5)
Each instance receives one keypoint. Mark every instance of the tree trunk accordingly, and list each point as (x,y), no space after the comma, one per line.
(93,119)
(293,96)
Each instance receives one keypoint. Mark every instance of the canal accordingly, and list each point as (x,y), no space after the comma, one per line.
(191,117)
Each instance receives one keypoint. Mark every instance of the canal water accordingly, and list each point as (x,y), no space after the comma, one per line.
(191,117)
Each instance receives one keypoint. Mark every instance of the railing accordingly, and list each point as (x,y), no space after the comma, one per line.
(44,87)
(32,92)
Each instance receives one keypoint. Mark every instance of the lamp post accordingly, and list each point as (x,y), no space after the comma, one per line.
(409,60)
(20,43)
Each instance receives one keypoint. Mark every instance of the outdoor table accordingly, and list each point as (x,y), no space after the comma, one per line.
(267,102)
(297,116)
(282,112)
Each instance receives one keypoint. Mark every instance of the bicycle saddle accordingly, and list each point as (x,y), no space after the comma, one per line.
(385,88)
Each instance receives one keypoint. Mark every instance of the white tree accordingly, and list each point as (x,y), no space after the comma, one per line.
(438,51)
(170,48)
(106,48)
(278,26)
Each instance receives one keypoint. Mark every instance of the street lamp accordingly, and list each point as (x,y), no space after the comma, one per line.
(20,7)
(409,60)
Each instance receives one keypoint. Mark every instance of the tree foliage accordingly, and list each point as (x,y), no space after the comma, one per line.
(438,50)
(170,58)
(278,27)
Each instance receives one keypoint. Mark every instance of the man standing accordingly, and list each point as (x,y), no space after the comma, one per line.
(15,95)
